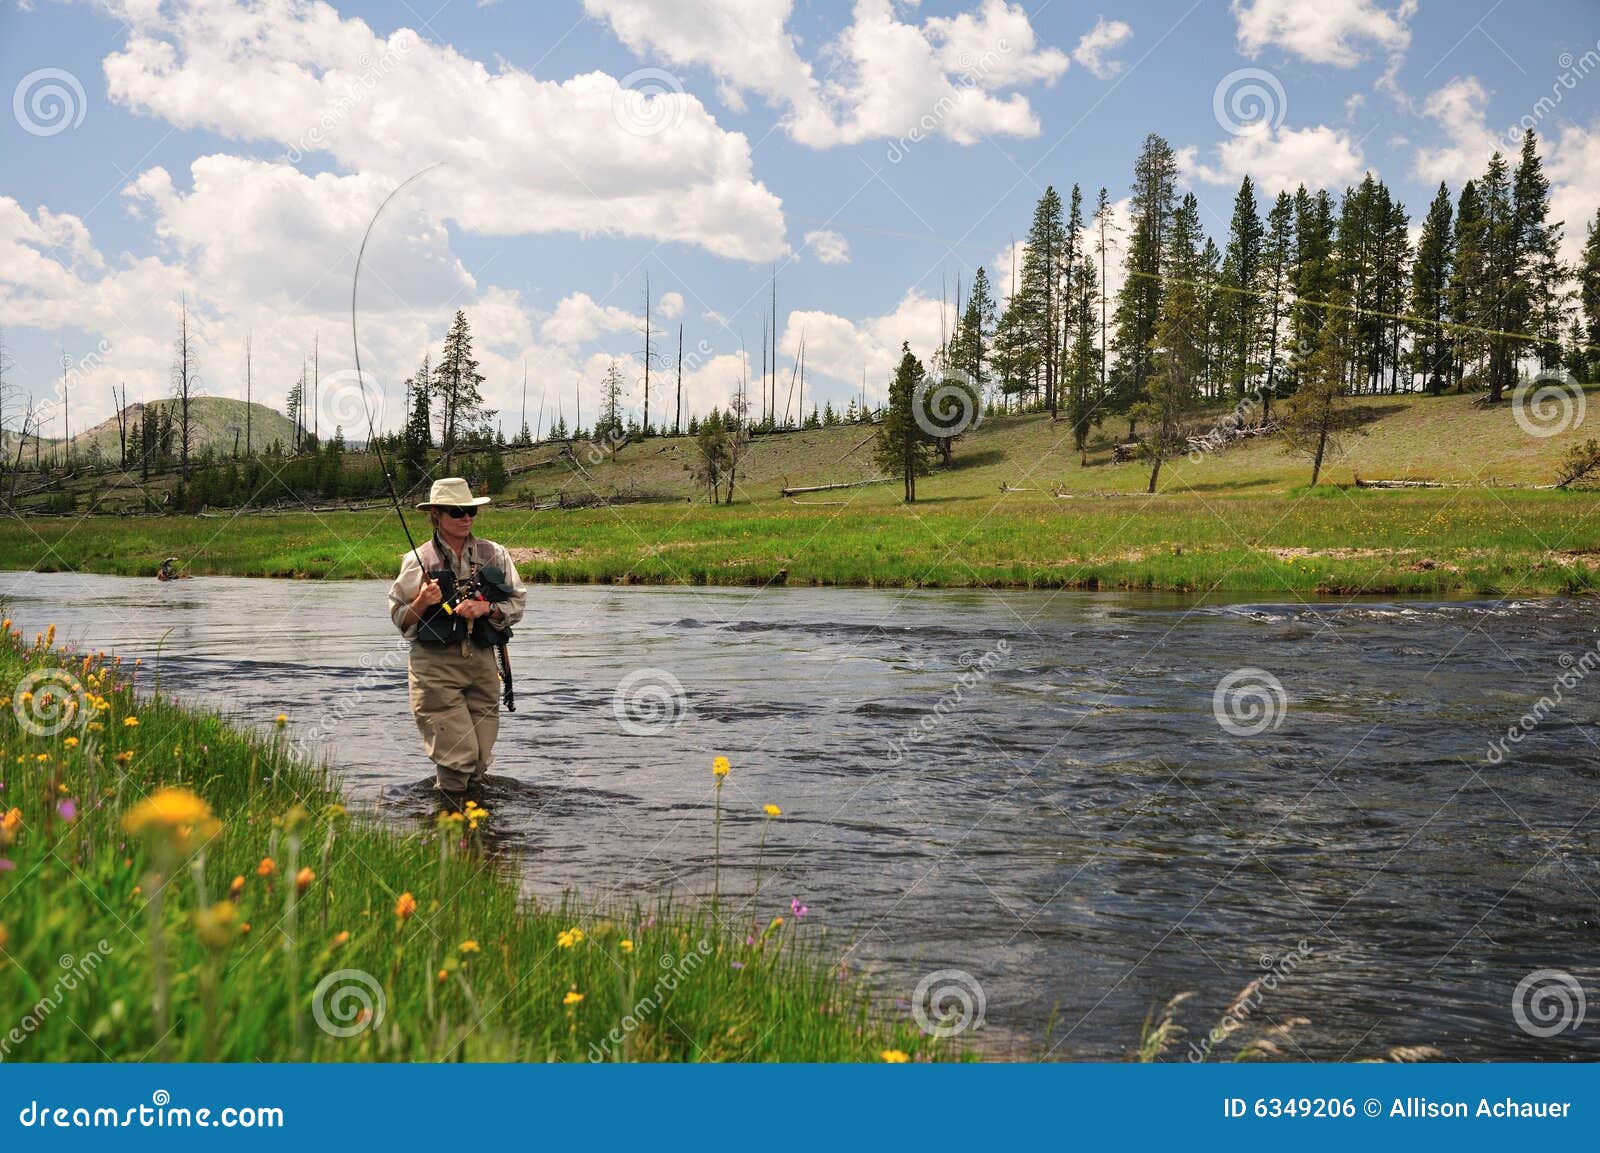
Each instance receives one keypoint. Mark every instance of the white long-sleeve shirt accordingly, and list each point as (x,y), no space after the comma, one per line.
(474,551)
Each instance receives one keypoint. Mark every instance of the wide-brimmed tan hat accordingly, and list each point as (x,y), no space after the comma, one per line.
(452,492)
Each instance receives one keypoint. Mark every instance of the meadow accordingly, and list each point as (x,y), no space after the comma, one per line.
(1016,507)
(177,889)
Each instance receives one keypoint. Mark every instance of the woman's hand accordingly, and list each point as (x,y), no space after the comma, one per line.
(428,596)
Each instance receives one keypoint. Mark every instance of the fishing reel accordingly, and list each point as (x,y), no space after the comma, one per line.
(487,584)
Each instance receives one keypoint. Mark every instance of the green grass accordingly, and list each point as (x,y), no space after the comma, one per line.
(121,945)
(1240,521)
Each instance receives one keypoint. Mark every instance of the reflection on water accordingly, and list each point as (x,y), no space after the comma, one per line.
(1029,787)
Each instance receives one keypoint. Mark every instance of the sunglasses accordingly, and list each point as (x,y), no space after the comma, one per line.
(464,513)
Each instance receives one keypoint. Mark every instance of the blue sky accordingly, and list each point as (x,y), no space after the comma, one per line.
(875,153)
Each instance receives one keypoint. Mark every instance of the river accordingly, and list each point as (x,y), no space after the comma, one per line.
(1042,798)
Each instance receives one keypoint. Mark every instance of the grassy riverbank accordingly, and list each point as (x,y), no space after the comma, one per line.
(173,888)
(1015,509)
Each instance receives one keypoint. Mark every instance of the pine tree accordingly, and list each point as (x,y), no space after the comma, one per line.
(902,445)
(419,426)
(1466,287)
(1138,312)
(1314,276)
(609,425)
(1083,357)
(1589,299)
(1241,308)
(1041,290)
(1432,345)
(1277,271)
(1170,390)
(1502,296)
(457,386)
(1538,298)
(975,333)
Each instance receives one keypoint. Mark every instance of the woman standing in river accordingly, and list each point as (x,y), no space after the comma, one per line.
(454,684)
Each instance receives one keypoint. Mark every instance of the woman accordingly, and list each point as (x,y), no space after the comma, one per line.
(455,685)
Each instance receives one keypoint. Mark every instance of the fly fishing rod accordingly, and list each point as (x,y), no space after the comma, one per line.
(355,341)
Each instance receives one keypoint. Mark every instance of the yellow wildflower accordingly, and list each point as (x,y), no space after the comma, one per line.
(405,906)
(719,767)
(443,976)
(567,938)
(71,742)
(130,722)
(267,867)
(124,757)
(283,719)
(236,887)
(468,947)
(177,812)
(214,926)
(895,1056)
(303,880)
(625,945)
(9,824)
(572,997)
(772,811)
(340,938)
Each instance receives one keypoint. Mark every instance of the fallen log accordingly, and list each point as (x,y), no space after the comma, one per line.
(826,487)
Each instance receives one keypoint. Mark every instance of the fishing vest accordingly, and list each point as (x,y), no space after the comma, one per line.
(440,629)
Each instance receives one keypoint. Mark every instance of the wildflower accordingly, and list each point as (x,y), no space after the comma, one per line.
(42,758)
(572,997)
(71,742)
(735,964)
(771,811)
(4,936)
(443,976)
(303,880)
(244,928)
(625,945)
(9,824)
(283,719)
(895,1056)
(123,757)
(68,809)
(177,812)
(405,906)
(130,722)
(797,908)
(236,887)
(719,768)
(267,867)
(6,864)
(567,938)
(214,926)
(777,922)
(340,938)
(468,947)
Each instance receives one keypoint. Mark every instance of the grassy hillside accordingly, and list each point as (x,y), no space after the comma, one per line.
(1016,508)
(214,419)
